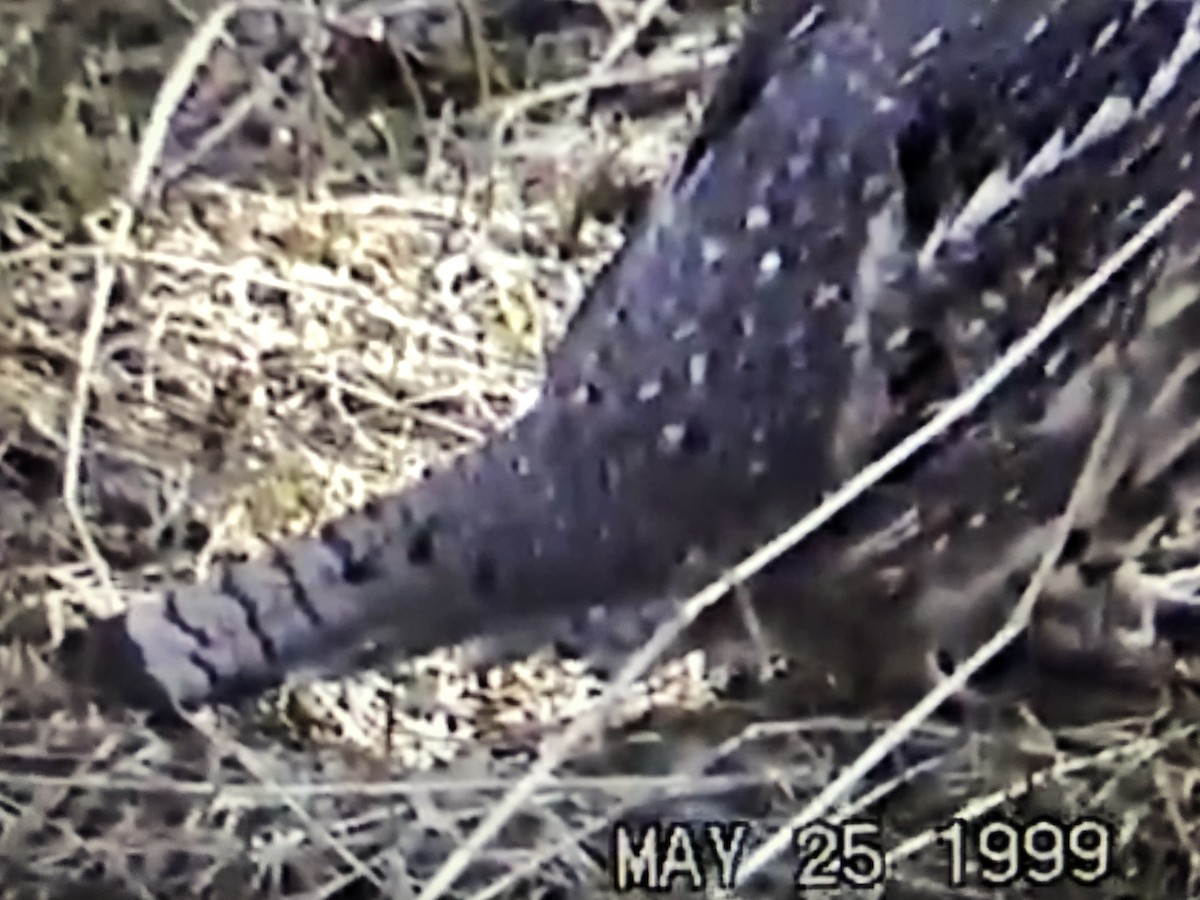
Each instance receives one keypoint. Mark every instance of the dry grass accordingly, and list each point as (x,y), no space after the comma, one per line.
(269,358)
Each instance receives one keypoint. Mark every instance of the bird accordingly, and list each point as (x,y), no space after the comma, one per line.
(879,198)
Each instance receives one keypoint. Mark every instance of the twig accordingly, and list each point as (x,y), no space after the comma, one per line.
(317,829)
(620,44)
(522,104)
(167,101)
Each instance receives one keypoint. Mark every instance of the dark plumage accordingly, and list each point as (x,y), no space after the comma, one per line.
(880,197)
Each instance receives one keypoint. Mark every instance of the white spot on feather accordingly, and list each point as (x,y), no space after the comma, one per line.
(1113,114)
(1037,29)
(757,216)
(798,165)
(993,301)
(672,436)
(856,332)
(1104,38)
(1047,158)
(711,250)
(648,390)
(994,194)
(1167,76)
(826,293)
(685,330)
(769,265)
(1056,362)
(899,338)
(805,24)
(931,40)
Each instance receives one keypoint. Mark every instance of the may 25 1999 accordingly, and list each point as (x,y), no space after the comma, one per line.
(657,857)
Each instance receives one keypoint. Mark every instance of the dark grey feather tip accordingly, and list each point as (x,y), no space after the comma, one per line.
(107,665)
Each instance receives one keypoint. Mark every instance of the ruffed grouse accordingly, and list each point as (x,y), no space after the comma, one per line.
(881,196)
